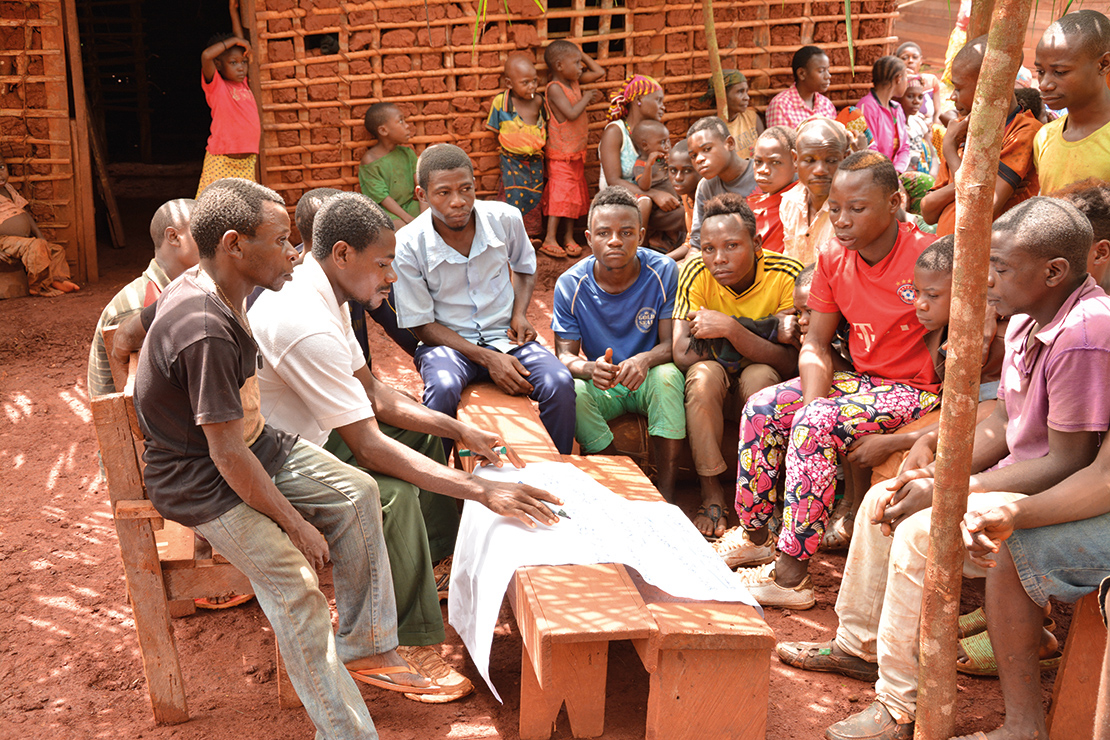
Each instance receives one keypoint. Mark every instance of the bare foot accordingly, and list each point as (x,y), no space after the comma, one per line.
(65,286)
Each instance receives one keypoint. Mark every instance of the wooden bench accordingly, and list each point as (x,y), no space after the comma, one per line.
(163,574)
(1071,716)
(709,662)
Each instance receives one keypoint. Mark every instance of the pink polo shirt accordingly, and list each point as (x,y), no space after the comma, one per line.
(1057,377)
(236,127)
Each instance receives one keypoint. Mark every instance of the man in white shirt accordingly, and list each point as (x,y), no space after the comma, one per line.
(315,382)
(465,274)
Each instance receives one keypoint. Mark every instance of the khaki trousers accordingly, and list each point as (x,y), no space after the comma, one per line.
(711,395)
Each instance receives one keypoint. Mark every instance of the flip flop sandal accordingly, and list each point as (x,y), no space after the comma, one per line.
(553,250)
(707,512)
(981,661)
(233,600)
(380,678)
(972,623)
(572,249)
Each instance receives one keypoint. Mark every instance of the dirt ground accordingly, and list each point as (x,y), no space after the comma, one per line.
(69,660)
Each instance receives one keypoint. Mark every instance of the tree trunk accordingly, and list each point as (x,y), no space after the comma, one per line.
(936,699)
(718,78)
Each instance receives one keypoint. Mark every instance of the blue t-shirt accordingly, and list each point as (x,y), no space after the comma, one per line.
(627,321)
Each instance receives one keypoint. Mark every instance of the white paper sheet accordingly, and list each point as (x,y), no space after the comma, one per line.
(596,526)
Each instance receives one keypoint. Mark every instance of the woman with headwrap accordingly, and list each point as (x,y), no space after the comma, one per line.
(640,97)
(744,123)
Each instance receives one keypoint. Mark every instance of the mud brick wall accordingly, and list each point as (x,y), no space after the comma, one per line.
(428,64)
(34,117)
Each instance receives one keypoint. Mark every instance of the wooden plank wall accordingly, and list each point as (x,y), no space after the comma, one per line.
(35,135)
(313,104)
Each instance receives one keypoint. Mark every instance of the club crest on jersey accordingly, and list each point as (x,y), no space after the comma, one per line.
(907,293)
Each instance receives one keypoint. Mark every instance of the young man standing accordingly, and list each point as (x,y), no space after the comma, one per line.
(465,274)
(277,508)
(315,383)
(616,308)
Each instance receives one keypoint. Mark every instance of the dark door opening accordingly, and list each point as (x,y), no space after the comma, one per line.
(142,75)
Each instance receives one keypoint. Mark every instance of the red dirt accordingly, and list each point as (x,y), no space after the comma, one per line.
(69,660)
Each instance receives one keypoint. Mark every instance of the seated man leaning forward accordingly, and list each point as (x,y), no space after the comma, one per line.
(276,507)
(724,323)
(616,307)
(1051,412)
(865,276)
(465,274)
(315,383)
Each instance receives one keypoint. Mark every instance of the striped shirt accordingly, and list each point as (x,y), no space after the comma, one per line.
(136,295)
(788,109)
(771,292)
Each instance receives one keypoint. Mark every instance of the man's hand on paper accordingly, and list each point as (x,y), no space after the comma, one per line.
(521,501)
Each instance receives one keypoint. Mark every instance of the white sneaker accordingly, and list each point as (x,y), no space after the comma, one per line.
(760,583)
(736,549)
(430,664)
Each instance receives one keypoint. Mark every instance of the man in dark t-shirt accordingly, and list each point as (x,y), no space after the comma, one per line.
(274,506)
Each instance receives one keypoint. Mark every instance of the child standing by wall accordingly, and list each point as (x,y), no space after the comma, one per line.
(232,149)
(387,173)
(517,115)
(565,195)
(684,181)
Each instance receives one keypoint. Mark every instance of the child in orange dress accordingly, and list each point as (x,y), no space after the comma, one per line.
(565,195)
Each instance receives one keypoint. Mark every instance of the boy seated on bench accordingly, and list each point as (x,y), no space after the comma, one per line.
(465,274)
(724,322)
(276,507)
(1050,415)
(315,383)
(1054,544)
(616,307)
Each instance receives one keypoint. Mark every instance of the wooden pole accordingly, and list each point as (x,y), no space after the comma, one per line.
(718,78)
(936,699)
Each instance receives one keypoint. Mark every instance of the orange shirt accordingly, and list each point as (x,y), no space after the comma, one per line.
(1015,166)
(236,127)
(885,339)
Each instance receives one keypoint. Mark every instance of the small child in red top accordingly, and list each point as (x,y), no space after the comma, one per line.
(773,159)
(232,149)
(22,240)
(565,195)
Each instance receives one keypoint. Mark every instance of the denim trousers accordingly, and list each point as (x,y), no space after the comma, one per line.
(879,604)
(446,373)
(341,502)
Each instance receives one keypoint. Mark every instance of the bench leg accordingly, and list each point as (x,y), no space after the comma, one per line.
(579,673)
(697,694)
(152,621)
(1075,692)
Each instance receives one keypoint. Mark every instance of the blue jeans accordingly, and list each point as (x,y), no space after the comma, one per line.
(1066,561)
(446,373)
(343,504)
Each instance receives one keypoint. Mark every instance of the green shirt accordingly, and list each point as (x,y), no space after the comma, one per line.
(392,176)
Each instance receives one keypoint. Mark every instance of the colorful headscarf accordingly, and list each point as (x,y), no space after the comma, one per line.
(635,87)
(732,77)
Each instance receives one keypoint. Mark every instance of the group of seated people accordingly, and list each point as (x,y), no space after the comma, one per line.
(816,319)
